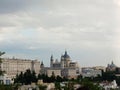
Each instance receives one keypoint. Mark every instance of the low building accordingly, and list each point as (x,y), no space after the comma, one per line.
(103,68)
(29,87)
(49,86)
(109,85)
(4,79)
(90,72)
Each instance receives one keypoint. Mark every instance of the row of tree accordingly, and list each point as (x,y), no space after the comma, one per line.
(26,78)
(30,76)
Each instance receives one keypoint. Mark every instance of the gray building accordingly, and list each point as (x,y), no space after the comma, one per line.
(65,67)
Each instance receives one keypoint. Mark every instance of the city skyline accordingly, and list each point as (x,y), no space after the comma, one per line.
(37,29)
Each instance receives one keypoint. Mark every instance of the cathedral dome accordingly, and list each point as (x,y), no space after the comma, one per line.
(66,55)
(112,64)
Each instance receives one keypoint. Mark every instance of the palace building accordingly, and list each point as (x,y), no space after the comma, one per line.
(13,66)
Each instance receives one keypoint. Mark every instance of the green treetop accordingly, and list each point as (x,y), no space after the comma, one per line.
(1,53)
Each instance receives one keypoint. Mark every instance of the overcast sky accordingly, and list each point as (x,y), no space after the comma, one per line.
(88,29)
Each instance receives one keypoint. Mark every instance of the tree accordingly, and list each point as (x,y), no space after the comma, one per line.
(34,78)
(44,77)
(19,78)
(79,78)
(42,87)
(90,85)
(26,78)
(65,79)
(6,87)
(52,78)
(59,79)
(110,76)
(57,86)
(1,72)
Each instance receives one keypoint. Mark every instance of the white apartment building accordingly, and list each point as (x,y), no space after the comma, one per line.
(6,80)
(90,72)
(13,66)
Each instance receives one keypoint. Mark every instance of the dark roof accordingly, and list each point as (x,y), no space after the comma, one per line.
(66,55)
(112,64)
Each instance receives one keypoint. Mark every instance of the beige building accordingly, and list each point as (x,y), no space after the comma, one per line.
(13,66)
(100,68)
(56,72)
(64,68)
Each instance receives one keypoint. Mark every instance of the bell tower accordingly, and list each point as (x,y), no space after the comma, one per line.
(62,61)
(42,65)
(51,61)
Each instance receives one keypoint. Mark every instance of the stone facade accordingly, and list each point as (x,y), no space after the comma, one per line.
(56,72)
(13,66)
(65,62)
(64,68)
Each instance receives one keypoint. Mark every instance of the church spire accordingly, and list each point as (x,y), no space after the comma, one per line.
(51,58)
(112,62)
(51,61)
(42,65)
(65,52)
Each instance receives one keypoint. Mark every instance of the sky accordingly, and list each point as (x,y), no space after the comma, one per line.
(36,29)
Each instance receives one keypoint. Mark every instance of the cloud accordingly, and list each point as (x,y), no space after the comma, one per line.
(12,6)
(56,13)
(86,26)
